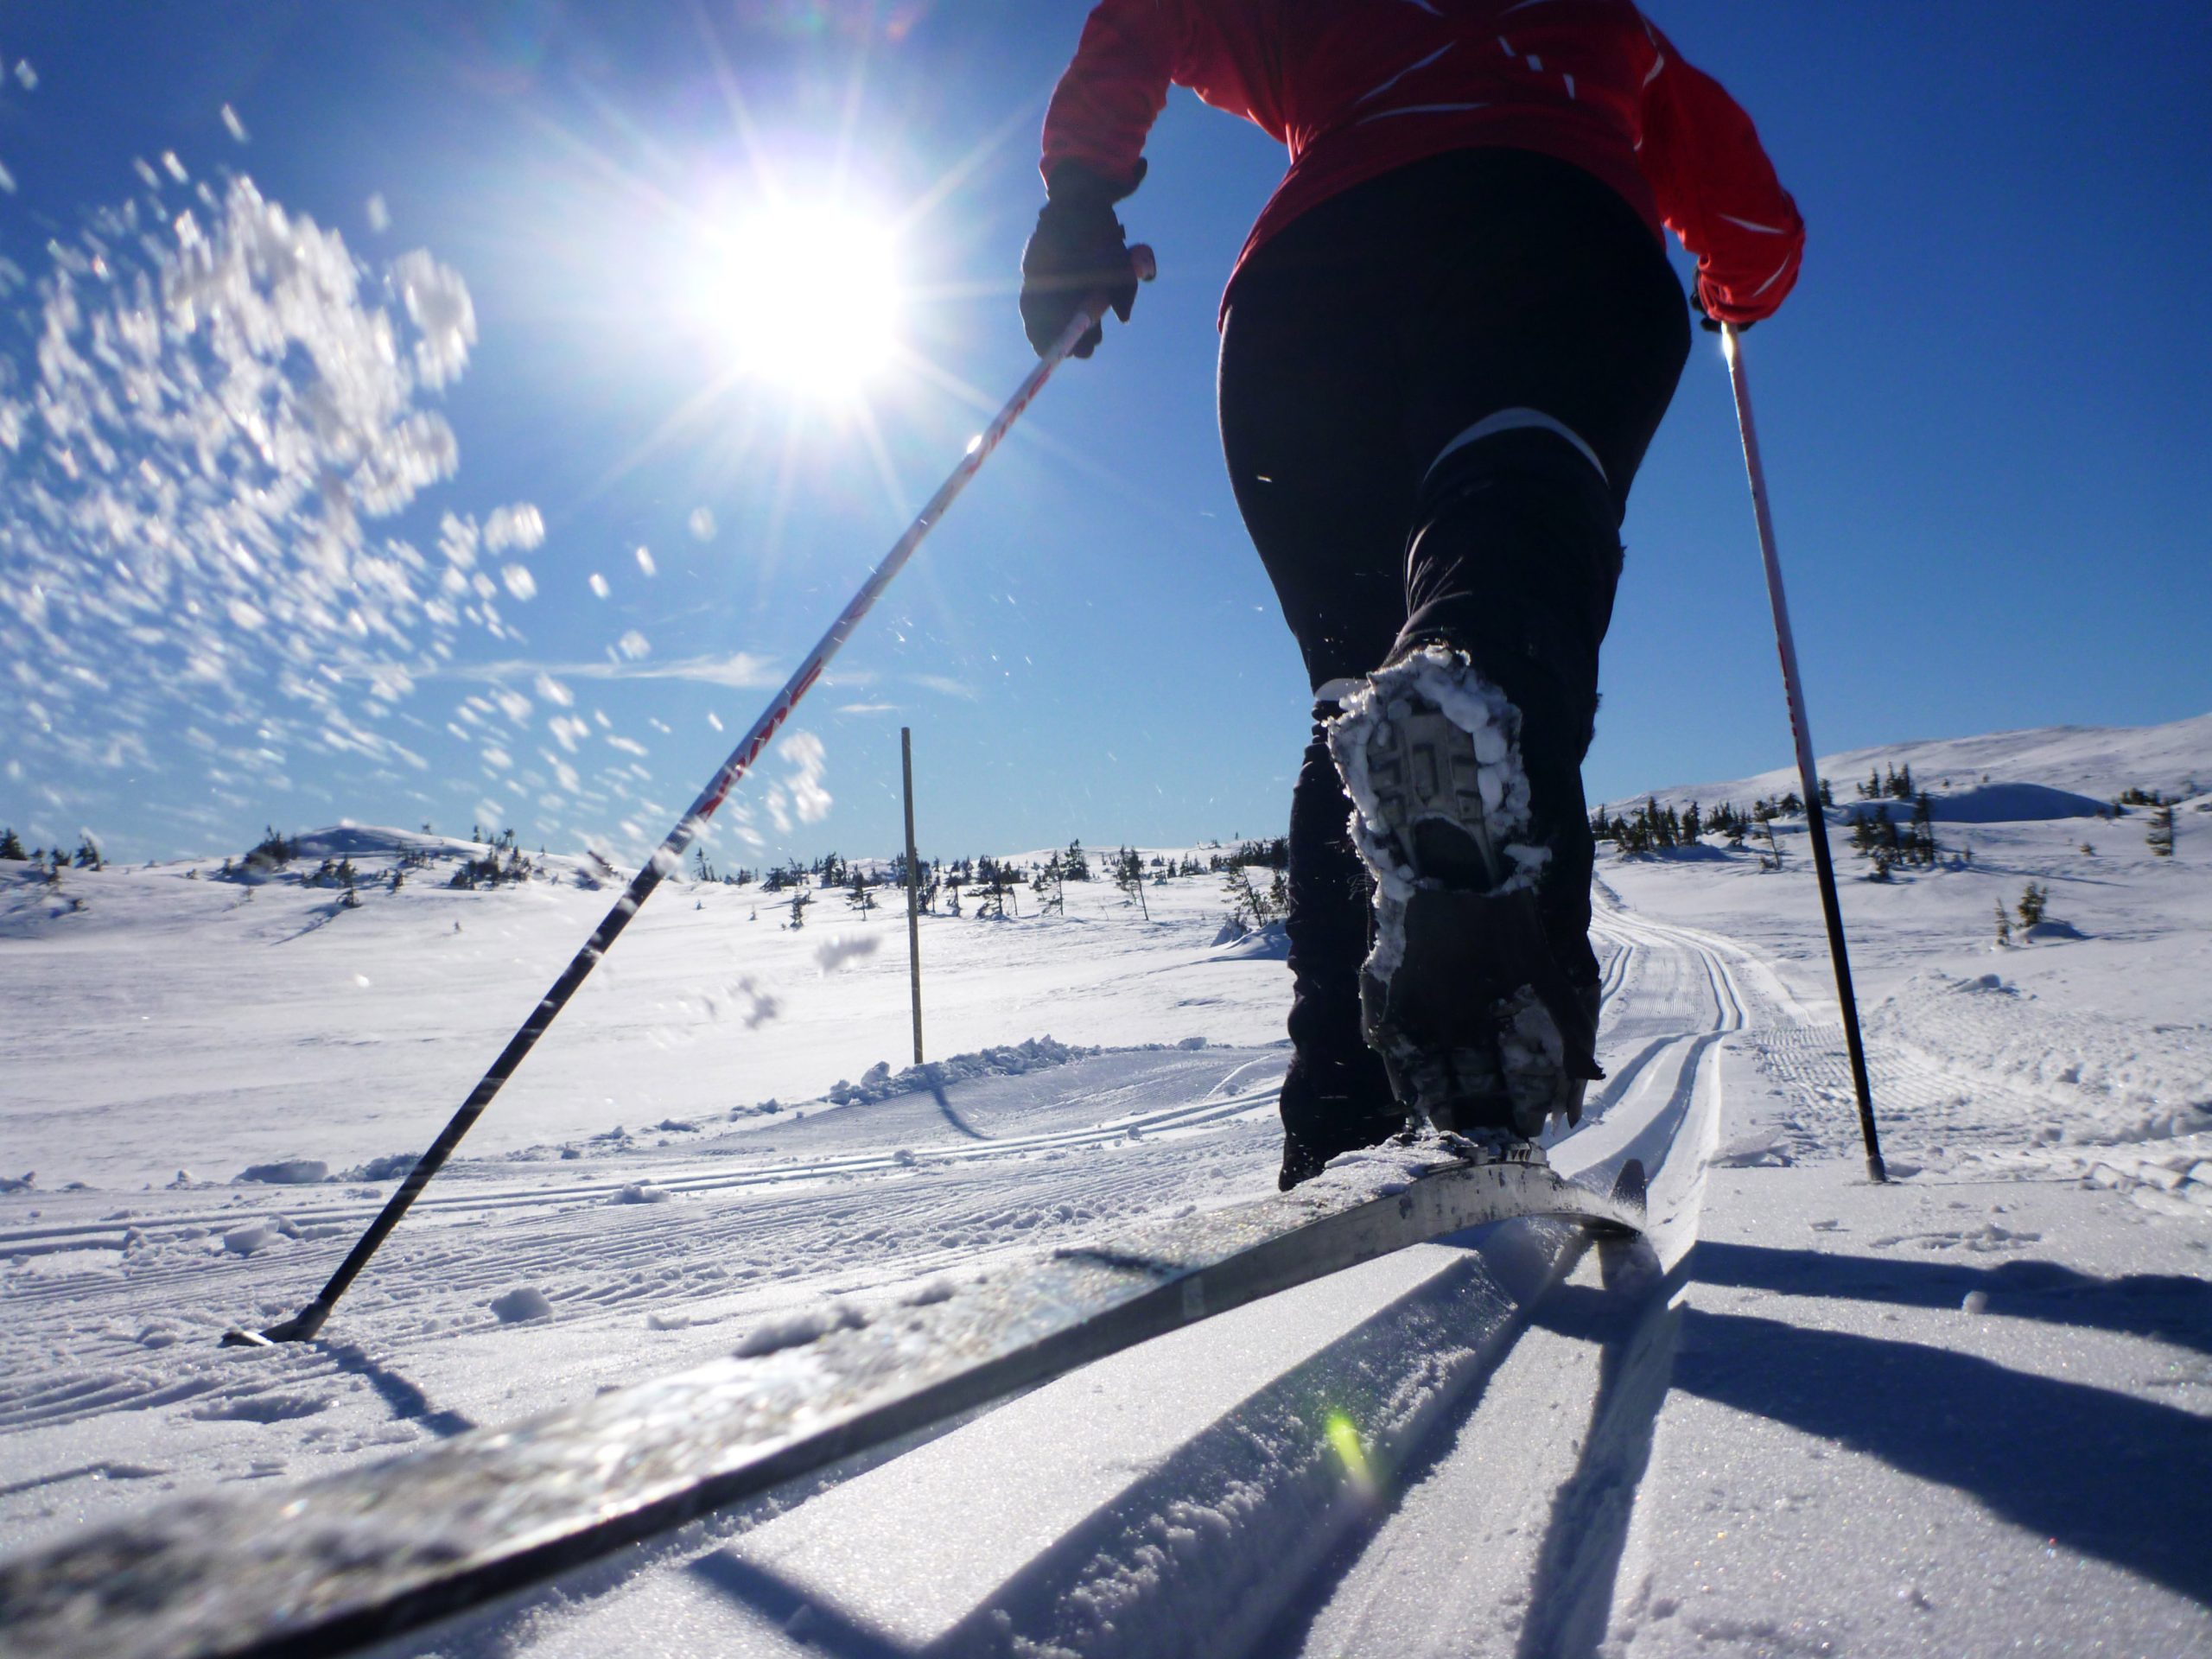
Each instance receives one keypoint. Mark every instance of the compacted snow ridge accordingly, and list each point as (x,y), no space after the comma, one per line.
(1966,1412)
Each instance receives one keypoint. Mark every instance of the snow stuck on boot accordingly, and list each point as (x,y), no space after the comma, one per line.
(1430,754)
(1494,815)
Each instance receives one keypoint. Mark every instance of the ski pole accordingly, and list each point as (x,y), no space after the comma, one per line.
(669,855)
(1807,774)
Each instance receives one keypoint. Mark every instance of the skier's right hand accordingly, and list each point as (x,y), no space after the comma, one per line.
(1706,320)
(1079,249)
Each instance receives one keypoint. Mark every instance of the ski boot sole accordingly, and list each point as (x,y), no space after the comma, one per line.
(1459,1018)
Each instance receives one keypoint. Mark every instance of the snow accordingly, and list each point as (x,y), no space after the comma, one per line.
(1969,1411)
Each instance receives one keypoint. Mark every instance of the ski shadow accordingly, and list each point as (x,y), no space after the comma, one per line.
(2126,1480)
(1633,1320)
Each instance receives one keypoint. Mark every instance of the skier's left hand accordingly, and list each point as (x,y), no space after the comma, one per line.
(1079,249)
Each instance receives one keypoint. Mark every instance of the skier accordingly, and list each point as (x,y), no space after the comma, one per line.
(1445,348)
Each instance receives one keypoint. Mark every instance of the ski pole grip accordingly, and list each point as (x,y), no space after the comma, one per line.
(1142,265)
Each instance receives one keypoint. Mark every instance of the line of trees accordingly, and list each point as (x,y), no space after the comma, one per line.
(52,859)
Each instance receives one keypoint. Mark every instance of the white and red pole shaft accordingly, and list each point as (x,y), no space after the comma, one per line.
(669,855)
(1807,771)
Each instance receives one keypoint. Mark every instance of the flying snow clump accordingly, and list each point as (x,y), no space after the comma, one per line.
(836,953)
(214,403)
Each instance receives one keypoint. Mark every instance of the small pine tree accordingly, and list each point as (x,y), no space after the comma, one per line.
(861,896)
(12,849)
(1248,906)
(2004,925)
(2035,903)
(1923,829)
(1049,884)
(88,854)
(2160,836)
(1128,876)
(800,899)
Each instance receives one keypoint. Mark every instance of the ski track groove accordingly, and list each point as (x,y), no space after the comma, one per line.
(1571,1576)
(934,1209)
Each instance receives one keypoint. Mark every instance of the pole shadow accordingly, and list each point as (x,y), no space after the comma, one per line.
(950,1113)
(406,1399)
(2126,1480)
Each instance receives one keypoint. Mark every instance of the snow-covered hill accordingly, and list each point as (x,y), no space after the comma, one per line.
(2174,760)
(1966,1412)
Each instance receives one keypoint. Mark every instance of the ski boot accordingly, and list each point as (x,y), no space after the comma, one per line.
(1461,994)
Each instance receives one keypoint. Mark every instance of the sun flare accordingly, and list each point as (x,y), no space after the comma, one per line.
(807,296)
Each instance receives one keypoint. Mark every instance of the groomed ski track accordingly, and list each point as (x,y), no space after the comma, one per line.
(1417,1440)
(1406,1453)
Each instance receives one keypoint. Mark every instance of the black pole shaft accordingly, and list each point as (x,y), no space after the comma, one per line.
(542,1017)
(670,853)
(1807,771)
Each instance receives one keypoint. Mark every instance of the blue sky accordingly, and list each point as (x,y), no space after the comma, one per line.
(1984,413)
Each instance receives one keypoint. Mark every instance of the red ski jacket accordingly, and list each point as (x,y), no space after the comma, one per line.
(1358,88)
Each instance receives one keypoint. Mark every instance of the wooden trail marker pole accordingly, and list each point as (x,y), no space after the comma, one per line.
(913,886)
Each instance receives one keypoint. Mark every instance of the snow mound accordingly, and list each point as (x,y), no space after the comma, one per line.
(1269,943)
(517,1305)
(288,1171)
(390,1167)
(640,1192)
(880,1083)
(799,1329)
(1751,1151)
(254,1235)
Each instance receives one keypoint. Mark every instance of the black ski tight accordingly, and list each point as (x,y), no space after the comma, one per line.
(1359,343)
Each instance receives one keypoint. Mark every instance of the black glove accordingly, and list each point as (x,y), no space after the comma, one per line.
(1079,249)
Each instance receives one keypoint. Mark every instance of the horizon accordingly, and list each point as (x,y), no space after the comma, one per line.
(1838,770)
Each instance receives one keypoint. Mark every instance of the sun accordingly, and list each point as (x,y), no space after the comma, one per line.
(807,296)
